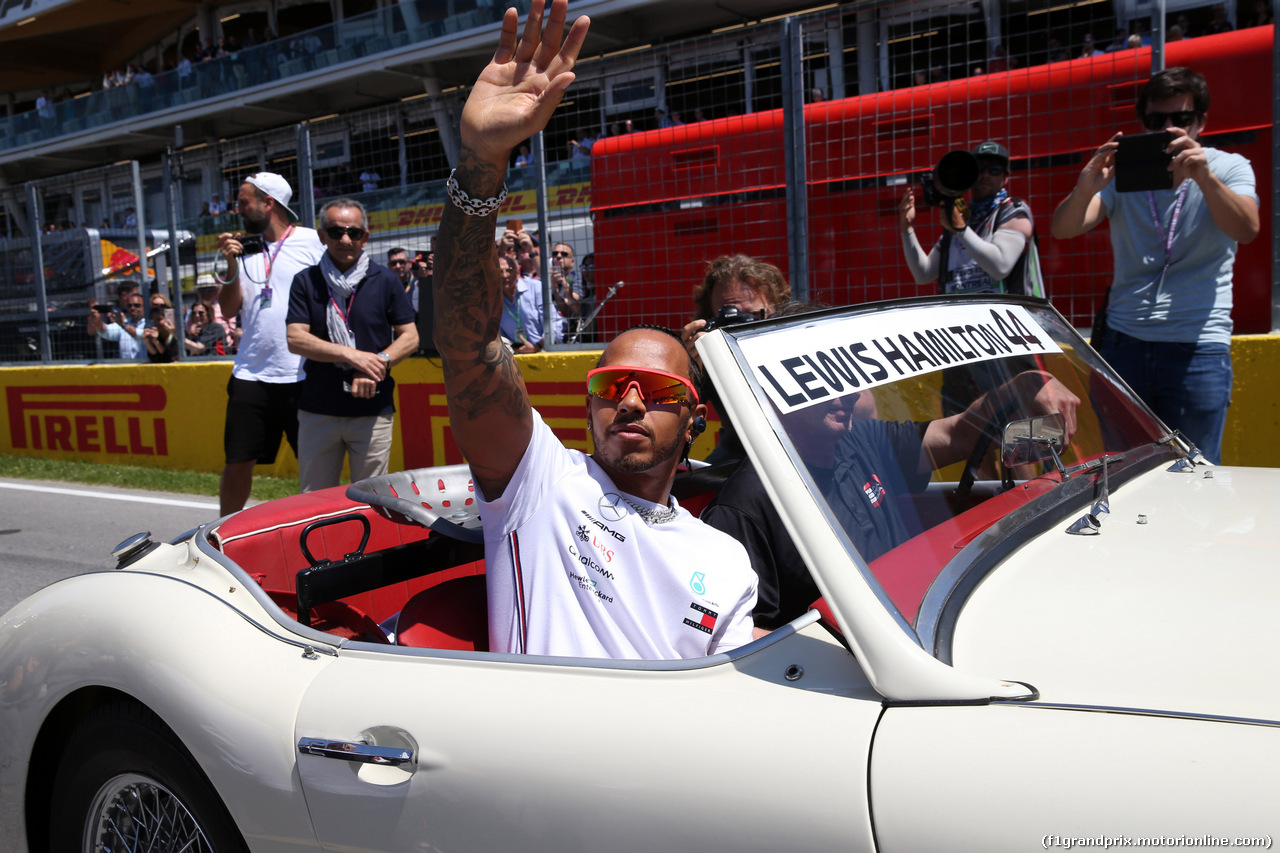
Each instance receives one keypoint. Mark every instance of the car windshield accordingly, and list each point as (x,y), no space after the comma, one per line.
(897,416)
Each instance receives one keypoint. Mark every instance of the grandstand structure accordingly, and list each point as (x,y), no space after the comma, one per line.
(109,126)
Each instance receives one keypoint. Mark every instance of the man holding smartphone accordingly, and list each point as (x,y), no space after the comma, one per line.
(124,324)
(1168,319)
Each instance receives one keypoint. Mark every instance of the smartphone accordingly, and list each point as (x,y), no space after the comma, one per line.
(516,225)
(1142,164)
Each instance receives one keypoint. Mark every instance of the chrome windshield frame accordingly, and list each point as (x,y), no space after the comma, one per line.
(859,601)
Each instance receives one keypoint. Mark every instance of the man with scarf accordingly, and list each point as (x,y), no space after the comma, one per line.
(351,319)
(989,249)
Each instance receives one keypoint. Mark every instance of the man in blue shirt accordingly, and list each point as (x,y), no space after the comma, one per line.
(522,320)
(1169,315)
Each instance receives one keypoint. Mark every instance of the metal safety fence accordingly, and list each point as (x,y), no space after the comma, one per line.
(793,140)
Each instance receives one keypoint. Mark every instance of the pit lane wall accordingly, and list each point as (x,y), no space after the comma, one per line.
(171,416)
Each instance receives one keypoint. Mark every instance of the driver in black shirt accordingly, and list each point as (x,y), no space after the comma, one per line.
(862,467)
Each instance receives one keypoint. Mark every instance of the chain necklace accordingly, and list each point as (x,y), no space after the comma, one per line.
(653,515)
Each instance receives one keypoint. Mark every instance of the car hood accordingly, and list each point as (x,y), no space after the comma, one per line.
(1174,606)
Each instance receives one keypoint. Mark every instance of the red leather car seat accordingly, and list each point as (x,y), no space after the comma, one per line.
(451,615)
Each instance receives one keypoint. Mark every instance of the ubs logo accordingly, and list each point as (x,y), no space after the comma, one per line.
(609,507)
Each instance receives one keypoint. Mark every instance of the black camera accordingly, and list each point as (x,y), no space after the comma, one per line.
(251,244)
(103,309)
(729,316)
(955,175)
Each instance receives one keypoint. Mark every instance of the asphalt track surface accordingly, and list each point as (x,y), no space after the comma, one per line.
(51,530)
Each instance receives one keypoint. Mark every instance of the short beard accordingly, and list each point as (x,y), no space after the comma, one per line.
(638,462)
(255,226)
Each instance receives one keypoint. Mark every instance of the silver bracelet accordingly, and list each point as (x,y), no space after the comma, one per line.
(472,206)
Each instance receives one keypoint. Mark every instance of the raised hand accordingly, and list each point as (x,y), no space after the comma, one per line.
(1101,168)
(907,211)
(1189,159)
(517,92)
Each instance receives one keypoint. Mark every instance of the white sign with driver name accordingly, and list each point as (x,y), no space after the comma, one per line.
(805,365)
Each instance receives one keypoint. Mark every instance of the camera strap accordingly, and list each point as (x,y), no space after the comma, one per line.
(270,258)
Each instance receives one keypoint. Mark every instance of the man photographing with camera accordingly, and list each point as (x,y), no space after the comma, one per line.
(1168,317)
(988,245)
(262,396)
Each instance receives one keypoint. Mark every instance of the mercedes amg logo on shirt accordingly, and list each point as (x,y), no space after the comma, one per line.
(610,507)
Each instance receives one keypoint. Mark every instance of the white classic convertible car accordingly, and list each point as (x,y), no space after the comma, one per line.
(1069,637)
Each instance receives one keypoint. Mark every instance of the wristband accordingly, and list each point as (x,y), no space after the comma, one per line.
(472,206)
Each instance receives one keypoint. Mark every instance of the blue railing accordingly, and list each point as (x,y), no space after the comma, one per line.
(286,57)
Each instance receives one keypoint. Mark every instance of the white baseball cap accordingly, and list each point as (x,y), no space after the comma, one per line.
(276,187)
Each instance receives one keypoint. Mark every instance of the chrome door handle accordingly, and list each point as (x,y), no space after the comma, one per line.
(361,753)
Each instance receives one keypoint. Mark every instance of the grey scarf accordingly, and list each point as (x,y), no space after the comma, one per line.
(341,286)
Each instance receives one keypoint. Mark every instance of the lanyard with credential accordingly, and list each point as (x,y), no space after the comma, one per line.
(269,258)
(346,315)
(1167,239)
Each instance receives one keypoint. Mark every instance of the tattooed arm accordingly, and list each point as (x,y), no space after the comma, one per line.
(512,99)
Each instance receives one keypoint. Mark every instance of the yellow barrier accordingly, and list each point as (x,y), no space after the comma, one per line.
(1253,425)
(171,416)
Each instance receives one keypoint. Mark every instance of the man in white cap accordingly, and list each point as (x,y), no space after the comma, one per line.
(263,393)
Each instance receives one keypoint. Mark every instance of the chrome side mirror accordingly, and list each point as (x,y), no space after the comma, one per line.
(1035,439)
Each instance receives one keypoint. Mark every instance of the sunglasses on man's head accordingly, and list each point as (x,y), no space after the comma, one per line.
(655,387)
(1181,118)
(335,232)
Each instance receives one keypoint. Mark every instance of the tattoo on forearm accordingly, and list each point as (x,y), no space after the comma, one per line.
(480,374)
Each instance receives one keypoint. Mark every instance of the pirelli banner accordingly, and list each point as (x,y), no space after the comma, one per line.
(172,416)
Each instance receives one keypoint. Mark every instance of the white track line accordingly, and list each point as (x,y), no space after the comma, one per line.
(108,496)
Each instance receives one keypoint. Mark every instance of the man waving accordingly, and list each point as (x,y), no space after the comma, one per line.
(585,555)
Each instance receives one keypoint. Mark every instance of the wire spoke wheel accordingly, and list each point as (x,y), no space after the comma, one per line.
(126,784)
(135,813)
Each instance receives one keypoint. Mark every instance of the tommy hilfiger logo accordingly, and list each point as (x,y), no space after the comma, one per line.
(701,618)
(874,490)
